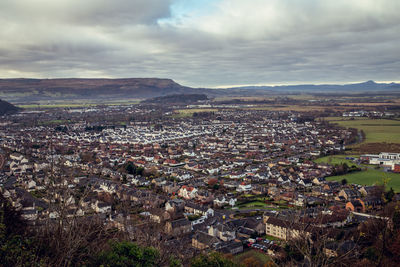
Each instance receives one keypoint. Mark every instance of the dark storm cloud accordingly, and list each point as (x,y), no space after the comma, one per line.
(235,42)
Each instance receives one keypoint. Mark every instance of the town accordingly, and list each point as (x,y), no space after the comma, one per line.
(229,180)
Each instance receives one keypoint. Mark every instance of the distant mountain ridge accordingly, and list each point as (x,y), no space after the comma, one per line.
(355,87)
(30,90)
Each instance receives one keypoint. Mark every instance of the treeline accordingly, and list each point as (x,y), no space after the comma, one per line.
(341,169)
(178,98)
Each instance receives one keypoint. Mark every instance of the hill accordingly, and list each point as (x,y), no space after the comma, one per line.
(7,108)
(20,90)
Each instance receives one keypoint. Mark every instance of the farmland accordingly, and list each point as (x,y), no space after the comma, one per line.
(376,130)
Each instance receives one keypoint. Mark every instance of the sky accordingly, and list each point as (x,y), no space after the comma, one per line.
(202,43)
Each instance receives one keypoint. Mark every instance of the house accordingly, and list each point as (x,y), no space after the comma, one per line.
(396,168)
(245,232)
(170,187)
(174,205)
(305,182)
(101,207)
(259,190)
(231,247)
(244,187)
(231,184)
(318,180)
(29,214)
(332,185)
(159,215)
(356,205)
(349,194)
(284,229)
(17,157)
(222,231)
(256,224)
(187,192)
(372,202)
(369,190)
(201,240)
(222,200)
(273,191)
(299,201)
(159,182)
(204,196)
(178,227)
(199,210)
(287,196)
(108,186)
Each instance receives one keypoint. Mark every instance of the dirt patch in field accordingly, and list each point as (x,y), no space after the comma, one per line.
(376,148)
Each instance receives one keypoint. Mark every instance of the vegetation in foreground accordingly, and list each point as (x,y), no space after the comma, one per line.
(253,258)
(22,246)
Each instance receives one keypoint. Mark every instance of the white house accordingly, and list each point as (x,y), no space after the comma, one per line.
(244,188)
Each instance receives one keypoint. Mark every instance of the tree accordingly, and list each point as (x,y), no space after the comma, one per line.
(389,195)
(64,233)
(344,181)
(345,167)
(139,171)
(17,246)
(212,182)
(130,168)
(124,254)
(380,237)
(308,242)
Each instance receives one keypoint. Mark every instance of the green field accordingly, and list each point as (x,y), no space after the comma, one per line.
(370,177)
(253,204)
(260,203)
(336,160)
(376,130)
(273,238)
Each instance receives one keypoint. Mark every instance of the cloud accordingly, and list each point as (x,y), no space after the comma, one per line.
(219,42)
